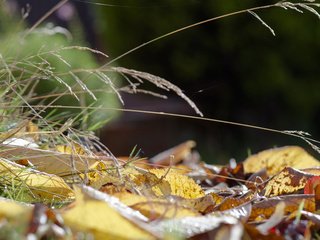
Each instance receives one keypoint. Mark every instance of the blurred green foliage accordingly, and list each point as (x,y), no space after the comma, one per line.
(233,68)
(50,53)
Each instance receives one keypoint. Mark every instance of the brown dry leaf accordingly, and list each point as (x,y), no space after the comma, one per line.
(289,180)
(265,208)
(45,186)
(155,208)
(231,202)
(174,155)
(180,184)
(274,160)
(229,175)
(101,220)
(226,203)
(52,162)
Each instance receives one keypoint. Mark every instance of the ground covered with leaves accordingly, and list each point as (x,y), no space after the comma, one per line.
(58,181)
(174,195)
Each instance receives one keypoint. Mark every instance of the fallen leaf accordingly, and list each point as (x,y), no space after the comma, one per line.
(155,208)
(241,212)
(42,185)
(14,217)
(274,160)
(289,180)
(13,209)
(229,175)
(25,129)
(225,231)
(311,184)
(139,162)
(192,226)
(101,219)
(72,148)
(145,182)
(52,162)
(253,233)
(202,204)
(274,220)
(174,155)
(180,184)
(265,208)
(230,203)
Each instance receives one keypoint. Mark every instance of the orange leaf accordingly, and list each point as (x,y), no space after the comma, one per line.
(311,184)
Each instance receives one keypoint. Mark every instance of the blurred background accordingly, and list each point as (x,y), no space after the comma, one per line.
(234,69)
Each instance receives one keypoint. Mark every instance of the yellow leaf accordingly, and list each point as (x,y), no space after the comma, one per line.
(101,173)
(45,186)
(155,208)
(52,162)
(131,178)
(101,220)
(158,182)
(73,148)
(180,184)
(24,129)
(11,209)
(274,160)
(149,183)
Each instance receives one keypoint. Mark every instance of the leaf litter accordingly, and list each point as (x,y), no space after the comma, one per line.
(259,197)
(71,188)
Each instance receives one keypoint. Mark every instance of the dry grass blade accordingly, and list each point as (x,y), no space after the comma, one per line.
(159,82)
(263,22)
